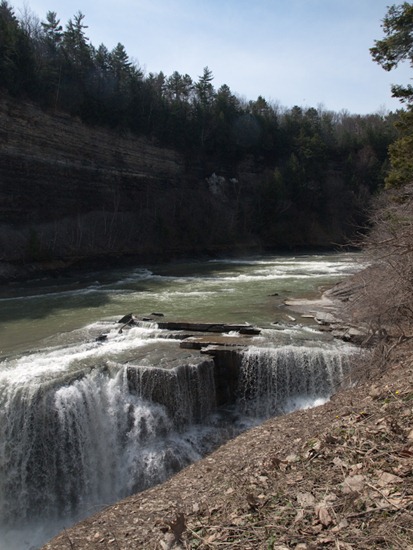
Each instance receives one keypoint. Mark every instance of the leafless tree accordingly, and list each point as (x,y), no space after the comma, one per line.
(384,299)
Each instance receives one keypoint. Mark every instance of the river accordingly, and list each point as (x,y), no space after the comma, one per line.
(90,414)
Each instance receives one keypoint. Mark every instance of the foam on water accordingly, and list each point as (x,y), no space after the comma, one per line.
(37,365)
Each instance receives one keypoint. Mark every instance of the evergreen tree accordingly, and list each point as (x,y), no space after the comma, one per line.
(226,109)
(397,47)
(16,53)
(75,42)
(204,89)
(179,87)
(120,64)
(204,95)
(51,68)
(53,32)
(77,67)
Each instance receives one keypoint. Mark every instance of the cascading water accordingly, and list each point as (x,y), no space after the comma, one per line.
(278,381)
(84,423)
(77,441)
(70,444)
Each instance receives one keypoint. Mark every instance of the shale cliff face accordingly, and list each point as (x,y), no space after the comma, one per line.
(54,165)
(70,192)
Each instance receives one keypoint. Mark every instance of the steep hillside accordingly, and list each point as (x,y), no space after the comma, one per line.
(53,166)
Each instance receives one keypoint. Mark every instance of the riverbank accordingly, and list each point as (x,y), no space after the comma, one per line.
(336,476)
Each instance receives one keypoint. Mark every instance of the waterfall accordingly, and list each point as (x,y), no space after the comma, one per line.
(187,392)
(88,439)
(72,441)
(275,381)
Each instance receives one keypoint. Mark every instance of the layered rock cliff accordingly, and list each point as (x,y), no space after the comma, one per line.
(70,192)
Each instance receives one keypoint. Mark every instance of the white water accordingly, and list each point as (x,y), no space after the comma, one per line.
(84,423)
(232,290)
(279,381)
(73,443)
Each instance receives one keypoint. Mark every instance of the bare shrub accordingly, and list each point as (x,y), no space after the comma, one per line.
(384,296)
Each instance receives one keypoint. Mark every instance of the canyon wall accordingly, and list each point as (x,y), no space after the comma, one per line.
(69,192)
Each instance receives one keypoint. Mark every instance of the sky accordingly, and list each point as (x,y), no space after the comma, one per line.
(310,53)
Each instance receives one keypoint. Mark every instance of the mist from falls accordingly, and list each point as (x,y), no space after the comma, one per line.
(84,423)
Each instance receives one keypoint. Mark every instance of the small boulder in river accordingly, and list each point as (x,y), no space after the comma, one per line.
(126,319)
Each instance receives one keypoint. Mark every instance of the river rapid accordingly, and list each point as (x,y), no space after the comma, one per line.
(85,421)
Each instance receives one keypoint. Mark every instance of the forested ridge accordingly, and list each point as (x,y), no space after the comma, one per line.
(270,176)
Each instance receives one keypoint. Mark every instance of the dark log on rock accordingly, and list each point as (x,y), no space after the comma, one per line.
(250,331)
(128,321)
(216,350)
(206,327)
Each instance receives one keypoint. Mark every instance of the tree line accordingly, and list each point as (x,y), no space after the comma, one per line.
(313,163)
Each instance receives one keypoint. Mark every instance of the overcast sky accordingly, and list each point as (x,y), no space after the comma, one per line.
(309,53)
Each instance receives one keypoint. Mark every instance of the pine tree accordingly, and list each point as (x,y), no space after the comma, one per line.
(16,53)
(395,48)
